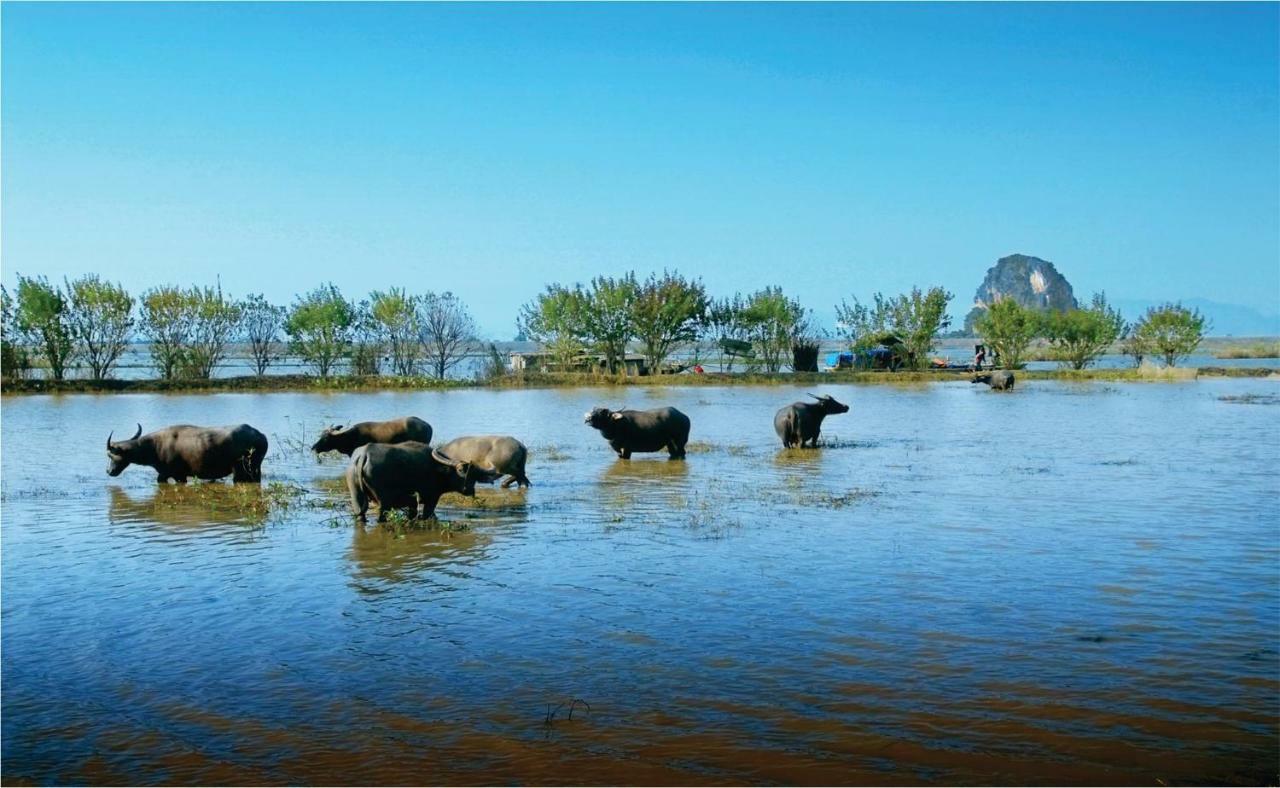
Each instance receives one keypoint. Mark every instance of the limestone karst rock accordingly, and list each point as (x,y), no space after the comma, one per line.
(1028,280)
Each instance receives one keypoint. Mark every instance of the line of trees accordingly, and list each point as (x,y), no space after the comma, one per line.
(188,330)
(1078,337)
(660,314)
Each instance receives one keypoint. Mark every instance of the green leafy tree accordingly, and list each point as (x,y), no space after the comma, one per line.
(1171,331)
(167,326)
(1009,328)
(15,362)
(101,319)
(367,342)
(260,324)
(1080,336)
(668,311)
(775,321)
(43,315)
(395,314)
(213,321)
(607,319)
(1135,347)
(446,332)
(726,321)
(320,325)
(556,320)
(916,318)
(864,326)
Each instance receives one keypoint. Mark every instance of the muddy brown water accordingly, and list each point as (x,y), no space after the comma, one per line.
(1072,583)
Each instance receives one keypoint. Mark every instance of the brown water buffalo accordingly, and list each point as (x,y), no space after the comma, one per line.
(182,451)
(402,475)
(495,454)
(642,430)
(801,422)
(1000,380)
(348,439)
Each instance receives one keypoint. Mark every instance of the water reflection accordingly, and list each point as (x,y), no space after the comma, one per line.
(396,555)
(836,611)
(647,470)
(191,506)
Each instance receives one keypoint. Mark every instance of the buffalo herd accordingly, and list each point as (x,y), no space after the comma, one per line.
(394,465)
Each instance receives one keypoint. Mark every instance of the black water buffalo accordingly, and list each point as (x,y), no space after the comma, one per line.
(801,422)
(182,451)
(642,430)
(494,454)
(401,475)
(1000,380)
(336,438)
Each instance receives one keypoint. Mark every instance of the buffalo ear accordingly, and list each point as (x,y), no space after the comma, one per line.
(464,469)
(615,416)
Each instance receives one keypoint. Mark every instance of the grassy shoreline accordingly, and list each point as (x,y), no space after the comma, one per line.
(305,383)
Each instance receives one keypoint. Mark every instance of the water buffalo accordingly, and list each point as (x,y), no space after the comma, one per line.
(182,451)
(642,430)
(1000,380)
(801,422)
(401,475)
(495,454)
(336,438)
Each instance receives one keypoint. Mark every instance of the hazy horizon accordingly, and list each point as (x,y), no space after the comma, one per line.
(836,150)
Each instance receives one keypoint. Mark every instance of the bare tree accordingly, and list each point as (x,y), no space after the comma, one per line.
(260,324)
(446,331)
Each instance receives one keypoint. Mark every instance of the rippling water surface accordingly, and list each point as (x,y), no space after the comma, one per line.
(1072,583)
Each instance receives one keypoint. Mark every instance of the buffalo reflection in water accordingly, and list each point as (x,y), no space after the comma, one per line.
(389,555)
(193,506)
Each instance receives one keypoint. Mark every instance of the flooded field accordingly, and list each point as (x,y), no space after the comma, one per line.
(1072,583)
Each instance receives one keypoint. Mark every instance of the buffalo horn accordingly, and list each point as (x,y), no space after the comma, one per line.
(435,454)
(136,434)
(109,436)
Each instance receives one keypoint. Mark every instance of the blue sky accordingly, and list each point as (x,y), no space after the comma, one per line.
(836,150)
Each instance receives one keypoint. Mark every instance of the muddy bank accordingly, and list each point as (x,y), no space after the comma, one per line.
(578,380)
